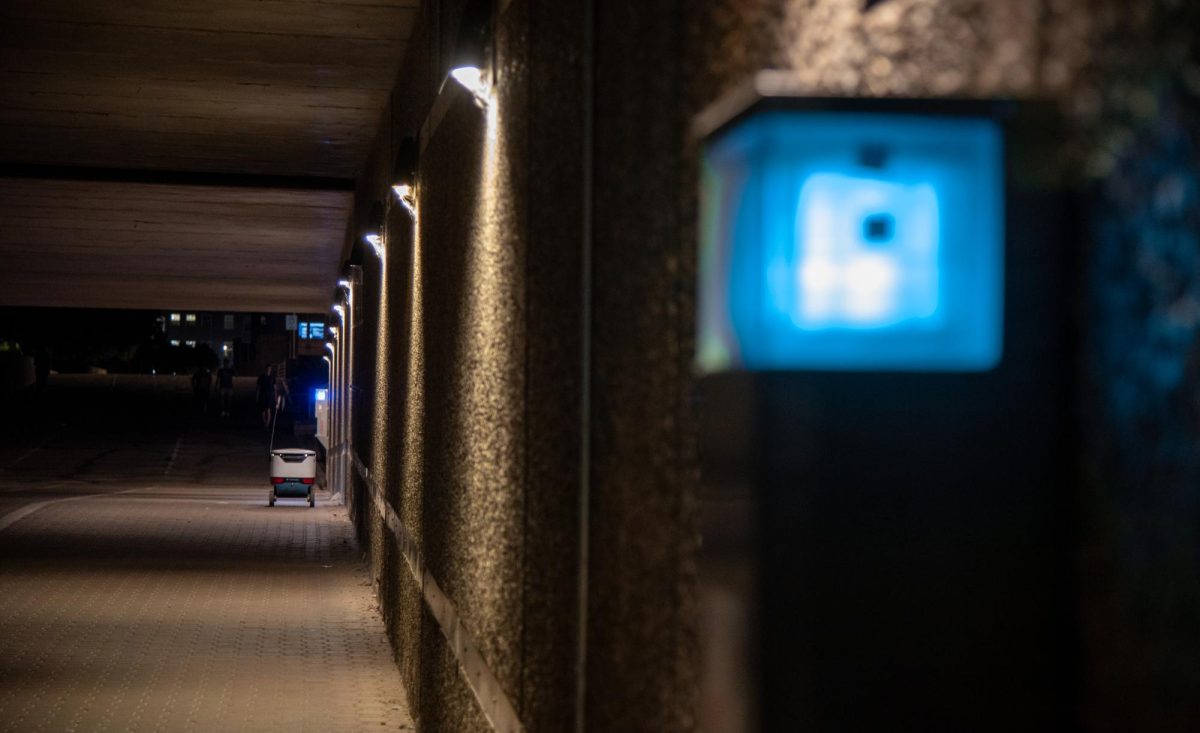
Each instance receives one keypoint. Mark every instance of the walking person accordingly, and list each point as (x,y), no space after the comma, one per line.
(225,384)
(202,388)
(266,394)
(282,396)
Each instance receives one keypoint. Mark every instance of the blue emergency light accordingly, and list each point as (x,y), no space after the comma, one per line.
(860,235)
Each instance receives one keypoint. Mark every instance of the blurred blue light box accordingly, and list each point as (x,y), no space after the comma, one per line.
(850,235)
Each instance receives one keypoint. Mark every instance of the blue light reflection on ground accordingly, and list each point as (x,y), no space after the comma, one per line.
(852,241)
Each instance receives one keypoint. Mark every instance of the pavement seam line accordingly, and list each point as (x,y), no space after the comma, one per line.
(17,515)
(174,455)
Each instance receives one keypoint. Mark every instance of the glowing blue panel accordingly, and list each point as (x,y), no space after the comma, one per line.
(852,241)
(303,330)
(321,395)
(316,330)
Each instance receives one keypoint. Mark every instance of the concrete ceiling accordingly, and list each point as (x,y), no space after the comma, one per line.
(165,153)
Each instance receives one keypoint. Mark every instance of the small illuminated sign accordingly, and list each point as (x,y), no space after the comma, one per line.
(311,330)
(863,240)
(321,395)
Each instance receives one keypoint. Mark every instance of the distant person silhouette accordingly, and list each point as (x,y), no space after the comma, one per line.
(202,388)
(225,384)
(266,394)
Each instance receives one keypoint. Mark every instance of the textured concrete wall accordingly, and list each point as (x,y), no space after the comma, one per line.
(641,653)
(478,433)
(473,324)
(447,444)
(554,296)
(477,381)
(1141,593)
(1127,79)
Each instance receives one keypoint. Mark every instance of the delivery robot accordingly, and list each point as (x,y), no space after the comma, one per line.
(293,475)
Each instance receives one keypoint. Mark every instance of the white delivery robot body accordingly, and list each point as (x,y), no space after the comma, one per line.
(293,475)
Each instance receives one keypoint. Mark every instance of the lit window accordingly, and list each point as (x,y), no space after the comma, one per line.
(174,342)
(190,318)
(174,318)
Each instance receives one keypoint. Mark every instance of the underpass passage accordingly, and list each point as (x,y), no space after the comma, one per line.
(146,585)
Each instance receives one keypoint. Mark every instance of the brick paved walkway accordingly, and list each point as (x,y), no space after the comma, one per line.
(145,586)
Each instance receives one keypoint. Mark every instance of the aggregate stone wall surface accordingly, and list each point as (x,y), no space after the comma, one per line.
(554,312)
(477,444)
(398,593)
(642,662)
(474,364)
(1141,596)
(486,466)
(1127,79)
(411,100)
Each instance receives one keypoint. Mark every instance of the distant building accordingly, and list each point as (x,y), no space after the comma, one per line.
(249,340)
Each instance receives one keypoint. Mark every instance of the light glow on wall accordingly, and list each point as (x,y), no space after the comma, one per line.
(376,242)
(852,241)
(406,195)
(474,80)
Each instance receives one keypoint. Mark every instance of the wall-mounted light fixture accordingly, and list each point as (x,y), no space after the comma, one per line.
(404,174)
(349,291)
(850,234)
(469,65)
(472,78)
(373,235)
